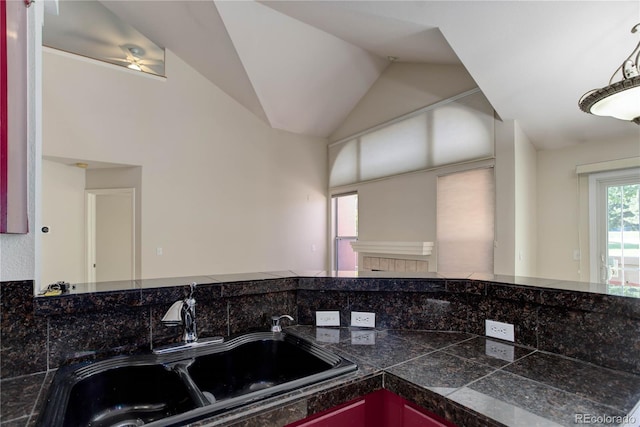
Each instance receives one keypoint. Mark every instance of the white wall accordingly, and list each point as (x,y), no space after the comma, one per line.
(223,192)
(562,205)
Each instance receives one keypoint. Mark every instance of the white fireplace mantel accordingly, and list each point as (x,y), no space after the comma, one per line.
(393,248)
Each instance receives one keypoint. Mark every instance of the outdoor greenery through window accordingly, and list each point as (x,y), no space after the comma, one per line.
(623,239)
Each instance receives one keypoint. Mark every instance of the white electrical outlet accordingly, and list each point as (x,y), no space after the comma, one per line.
(328,335)
(363,337)
(499,350)
(503,331)
(576,255)
(363,319)
(327,318)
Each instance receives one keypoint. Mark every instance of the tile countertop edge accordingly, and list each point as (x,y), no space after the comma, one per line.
(316,398)
(548,292)
(437,404)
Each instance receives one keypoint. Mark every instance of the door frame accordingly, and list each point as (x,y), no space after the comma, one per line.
(90,228)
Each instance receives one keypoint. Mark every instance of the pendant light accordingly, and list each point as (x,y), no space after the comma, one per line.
(620,99)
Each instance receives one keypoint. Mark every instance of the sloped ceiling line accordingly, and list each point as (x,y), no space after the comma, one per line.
(303,65)
(306,79)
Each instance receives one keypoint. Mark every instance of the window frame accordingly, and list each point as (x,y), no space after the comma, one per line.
(598,217)
(337,238)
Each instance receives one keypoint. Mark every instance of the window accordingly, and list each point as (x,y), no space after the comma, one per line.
(417,141)
(614,202)
(345,216)
(465,221)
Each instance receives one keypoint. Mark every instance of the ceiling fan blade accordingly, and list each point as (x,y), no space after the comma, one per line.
(151,62)
(149,70)
(124,61)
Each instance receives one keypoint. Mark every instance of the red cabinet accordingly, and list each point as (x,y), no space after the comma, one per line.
(379,409)
(351,414)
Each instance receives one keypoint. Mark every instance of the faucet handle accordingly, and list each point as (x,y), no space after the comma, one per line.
(173,316)
(275,322)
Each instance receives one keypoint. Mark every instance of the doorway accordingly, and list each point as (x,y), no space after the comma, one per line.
(110,224)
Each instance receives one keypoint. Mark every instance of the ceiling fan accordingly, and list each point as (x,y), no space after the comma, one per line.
(134,59)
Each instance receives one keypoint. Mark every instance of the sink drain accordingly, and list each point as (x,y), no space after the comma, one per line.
(128,415)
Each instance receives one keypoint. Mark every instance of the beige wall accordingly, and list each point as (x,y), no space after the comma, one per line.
(401,89)
(541,207)
(63,206)
(223,192)
(63,212)
(401,208)
(563,209)
(122,177)
(114,237)
(505,174)
(526,194)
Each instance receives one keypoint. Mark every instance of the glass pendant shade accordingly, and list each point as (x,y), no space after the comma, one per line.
(620,99)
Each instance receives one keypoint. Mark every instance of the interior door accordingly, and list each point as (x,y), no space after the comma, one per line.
(110,235)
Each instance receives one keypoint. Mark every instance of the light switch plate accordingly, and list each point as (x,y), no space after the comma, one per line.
(327,318)
(363,319)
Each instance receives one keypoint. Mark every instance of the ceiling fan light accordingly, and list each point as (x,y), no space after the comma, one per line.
(134,66)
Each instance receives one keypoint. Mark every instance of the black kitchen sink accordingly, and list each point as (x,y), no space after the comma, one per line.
(255,365)
(127,396)
(194,383)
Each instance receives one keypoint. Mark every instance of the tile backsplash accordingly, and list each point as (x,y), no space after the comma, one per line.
(399,265)
(43,333)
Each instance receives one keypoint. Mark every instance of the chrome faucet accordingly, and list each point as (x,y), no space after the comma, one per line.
(183,313)
(275,322)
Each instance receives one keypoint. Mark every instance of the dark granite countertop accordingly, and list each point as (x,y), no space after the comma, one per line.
(543,283)
(465,378)
(508,384)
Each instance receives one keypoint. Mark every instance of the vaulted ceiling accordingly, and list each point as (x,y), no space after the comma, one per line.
(302,66)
